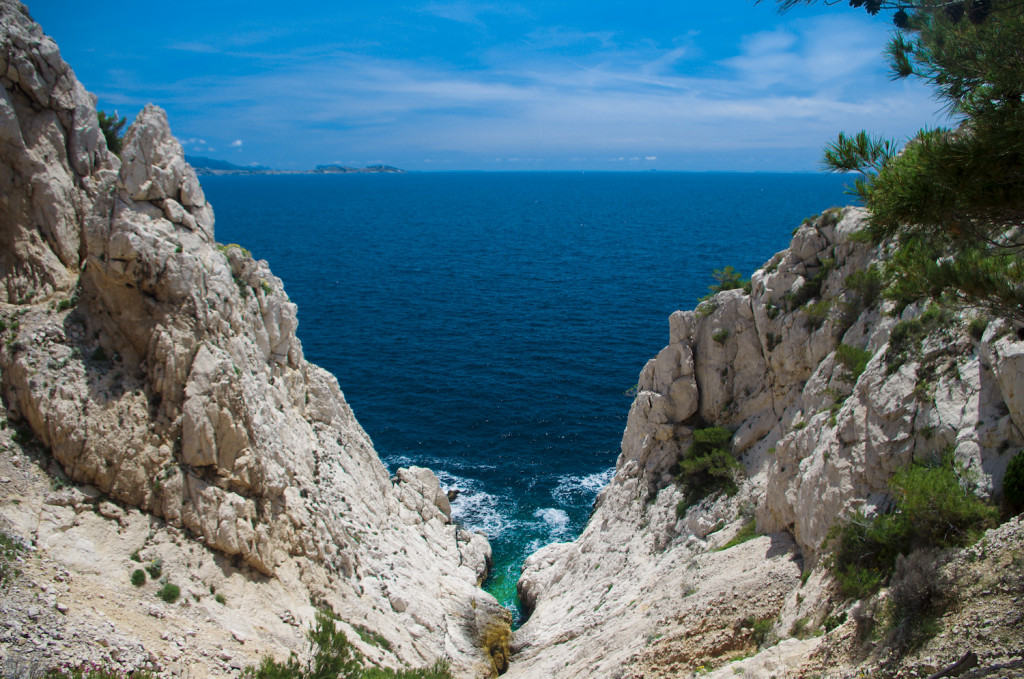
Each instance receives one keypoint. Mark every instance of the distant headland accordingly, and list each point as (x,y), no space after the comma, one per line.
(212,166)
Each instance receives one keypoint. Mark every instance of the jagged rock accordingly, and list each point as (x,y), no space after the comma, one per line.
(175,383)
(817,443)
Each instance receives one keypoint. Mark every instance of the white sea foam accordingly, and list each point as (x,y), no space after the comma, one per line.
(557,520)
(577,491)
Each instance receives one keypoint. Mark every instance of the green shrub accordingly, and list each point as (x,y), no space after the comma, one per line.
(747,532)
(221,599)
(9,548)
(811,289)
(931,510)
(112,127)
(760,629)
(977,326)
(726,279)
(720,335)
(920,592)
(1013,482)
(155,568)
(799,628)
(906,336)
(853,359)
(374,638)
(169,592)
(866,285)
(705,309)
(138,577)
(707,466)
(816,313)
(329,655)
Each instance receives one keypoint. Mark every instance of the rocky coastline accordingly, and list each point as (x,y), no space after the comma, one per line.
(160,418)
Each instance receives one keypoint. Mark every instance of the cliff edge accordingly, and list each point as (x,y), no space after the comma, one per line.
(161,372)
(662,585)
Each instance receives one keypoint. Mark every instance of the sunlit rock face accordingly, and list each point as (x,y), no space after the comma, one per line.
(644,592)
(163,369)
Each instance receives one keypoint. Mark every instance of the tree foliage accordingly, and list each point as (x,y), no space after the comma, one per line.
(932,509)
(112,127)
(952,199)
(707,466)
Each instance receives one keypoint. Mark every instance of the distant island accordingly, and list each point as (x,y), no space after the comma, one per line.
(212,166)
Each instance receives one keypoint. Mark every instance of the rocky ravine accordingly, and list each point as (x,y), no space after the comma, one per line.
(644,593)
(161,372)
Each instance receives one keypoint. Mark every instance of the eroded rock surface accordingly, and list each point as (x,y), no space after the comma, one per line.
(163,370)
(643,591)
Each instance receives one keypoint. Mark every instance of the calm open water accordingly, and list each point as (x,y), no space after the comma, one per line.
(489,325)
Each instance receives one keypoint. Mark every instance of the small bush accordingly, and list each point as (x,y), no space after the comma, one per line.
(169,592)
(816,313)
(920,592)
(853,359)
(931,510)
(112,127)
(9,548)
(760,629)
(155,568)
(135,557)
(977,326)
(374,638)
(1013,482)
(138,577)
(866,285)
(726,279)
(811,289)
(833,621)
(799,628)
(221,599)
(707,466)
(705,309)
(329,655)
(720,335)
(906,337)
(747,532)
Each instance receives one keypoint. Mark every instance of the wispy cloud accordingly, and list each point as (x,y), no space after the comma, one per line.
(473,13)
(591,96)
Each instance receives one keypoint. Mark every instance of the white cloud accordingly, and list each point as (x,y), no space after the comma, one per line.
(781,89)
(236,144)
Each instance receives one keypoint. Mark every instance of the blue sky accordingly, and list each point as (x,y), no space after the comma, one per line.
(531,85)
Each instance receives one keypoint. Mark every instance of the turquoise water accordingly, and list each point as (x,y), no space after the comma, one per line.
(489,326)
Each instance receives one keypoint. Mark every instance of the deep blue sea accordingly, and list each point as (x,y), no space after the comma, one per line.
(490,325)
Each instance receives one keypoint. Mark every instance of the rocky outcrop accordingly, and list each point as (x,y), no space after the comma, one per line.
(819,437)
(163,370)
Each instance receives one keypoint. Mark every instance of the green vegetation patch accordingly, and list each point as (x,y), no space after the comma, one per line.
(169,592)
(746,533)
(1013,482)
(9,548)
(931,510)
(329,655)
(853,359)
(907,336)
(707,467)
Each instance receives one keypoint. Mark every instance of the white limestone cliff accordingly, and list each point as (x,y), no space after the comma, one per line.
(645,592)
(162,370)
